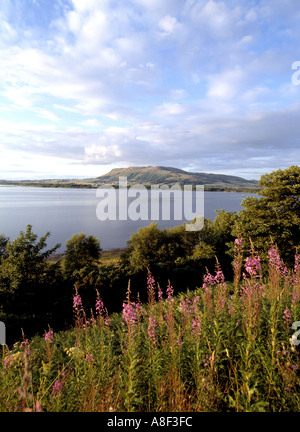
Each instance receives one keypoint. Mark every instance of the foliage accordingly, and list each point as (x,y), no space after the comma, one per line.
(81,251)
(3,243)
(28,284)
(275,216)
(170,254)
(223,347)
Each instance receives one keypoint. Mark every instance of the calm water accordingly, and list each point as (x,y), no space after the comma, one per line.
(65,212)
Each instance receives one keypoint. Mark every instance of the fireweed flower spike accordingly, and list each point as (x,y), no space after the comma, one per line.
(150,287)
(89,358)
(159,293)
(196,327)
(57,388)
(101,311)
(25,344)
(170,292)
(77,302)
(287,317)
(253,266)
(49,336)
(99,307)
(238,243)
(151,329)
(129,313)
(276,262)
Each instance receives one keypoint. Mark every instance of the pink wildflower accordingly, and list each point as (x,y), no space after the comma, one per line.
(209,280)
(186,306)
(77,302)
(89,358)
(100,310)
(252,266)
(160,294)
(170,292)
(297,263)
(57,388)
(196,327)
(275,261)
(25,344)
(49,336)
(208,361)
(295,297)
(38,406)
(219,278)
(129,313)
(287,317)
(274,258)
(7,362)
(151,329)
(238,242)
(150,282)
(151,287)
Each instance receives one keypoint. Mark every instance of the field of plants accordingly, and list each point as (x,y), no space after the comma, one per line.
(222,347)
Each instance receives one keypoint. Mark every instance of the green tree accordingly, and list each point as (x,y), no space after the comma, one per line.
(275,216)
(3,243)
(214,241)
(28,283)
(81,251)
(145,248)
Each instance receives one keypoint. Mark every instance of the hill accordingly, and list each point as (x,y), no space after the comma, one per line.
(168,175)
(147,176)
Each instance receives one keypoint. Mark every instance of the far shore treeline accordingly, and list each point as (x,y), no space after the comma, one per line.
(148,176)
(37,292)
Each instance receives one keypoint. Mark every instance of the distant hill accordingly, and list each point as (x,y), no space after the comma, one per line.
(147,176)
(167,175)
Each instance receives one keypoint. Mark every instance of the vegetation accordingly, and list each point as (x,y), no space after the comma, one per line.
(81,251)
(217,339)
(167,175)
(222,347)
(29,287)
(276,214)
(150,176)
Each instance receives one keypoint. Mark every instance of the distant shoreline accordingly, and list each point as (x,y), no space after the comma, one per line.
(34,183)
(104,254)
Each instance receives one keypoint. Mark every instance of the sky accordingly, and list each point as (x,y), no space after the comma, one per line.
(201,85)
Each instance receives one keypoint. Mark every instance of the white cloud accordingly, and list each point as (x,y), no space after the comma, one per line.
(170,108)
(227,85)
(168,25)
(128,81)
(46,114)
(251,15)
(92,123)
(178,94)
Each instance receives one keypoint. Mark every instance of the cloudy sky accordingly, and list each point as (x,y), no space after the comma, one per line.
(202,85)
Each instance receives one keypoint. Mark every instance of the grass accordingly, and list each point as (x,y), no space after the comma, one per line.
(223,347)
(111,256)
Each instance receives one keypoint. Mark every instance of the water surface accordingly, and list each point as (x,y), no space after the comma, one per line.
(65,212)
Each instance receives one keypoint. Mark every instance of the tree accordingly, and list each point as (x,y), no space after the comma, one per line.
(3,243)
(145,248)
(214,241)
(28,283)
(81,251)
(275,216)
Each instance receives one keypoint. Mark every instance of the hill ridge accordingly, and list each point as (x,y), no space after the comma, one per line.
(169,175)
(147,176)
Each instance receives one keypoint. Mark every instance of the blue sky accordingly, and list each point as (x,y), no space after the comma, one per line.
(202,85)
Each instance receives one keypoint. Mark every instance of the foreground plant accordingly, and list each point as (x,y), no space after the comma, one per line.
(223,347)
